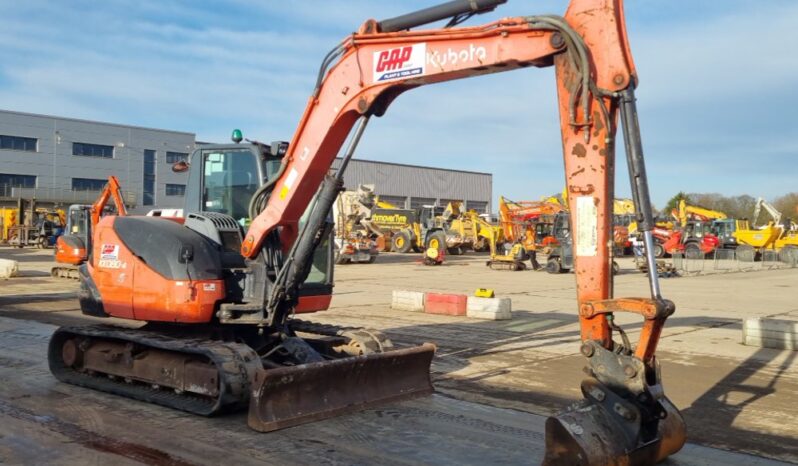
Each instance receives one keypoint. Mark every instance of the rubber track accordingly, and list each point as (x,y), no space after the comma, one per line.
(236,362)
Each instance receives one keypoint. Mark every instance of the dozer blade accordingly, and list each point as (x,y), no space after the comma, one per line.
(289,396)
(609,432)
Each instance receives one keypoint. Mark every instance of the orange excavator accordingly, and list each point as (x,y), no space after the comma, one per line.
(72,248)
(220,303)
(529,222)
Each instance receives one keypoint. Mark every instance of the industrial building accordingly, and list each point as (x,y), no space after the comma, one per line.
(411,186)
(61,161)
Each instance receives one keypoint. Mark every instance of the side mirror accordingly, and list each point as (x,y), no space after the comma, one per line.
(180,166)
(278,148)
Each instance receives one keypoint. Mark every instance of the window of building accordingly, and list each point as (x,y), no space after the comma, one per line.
(17,181)
(397,201)
(480,206)
(416,202)
(92,150)
(174,157)
(148,193)
(87,184)
(18,143)
(445,202)
(175,189)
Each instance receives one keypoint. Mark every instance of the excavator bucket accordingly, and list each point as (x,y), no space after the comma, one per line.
(604,429)
(289,396)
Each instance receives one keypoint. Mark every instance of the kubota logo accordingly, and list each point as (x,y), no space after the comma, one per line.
(440,58)
(399,63)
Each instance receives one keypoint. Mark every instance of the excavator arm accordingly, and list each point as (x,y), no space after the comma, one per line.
(772,211)
(113,190)
(515,217)
(625,417)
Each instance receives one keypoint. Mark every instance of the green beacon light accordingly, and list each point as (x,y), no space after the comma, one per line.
(237,136)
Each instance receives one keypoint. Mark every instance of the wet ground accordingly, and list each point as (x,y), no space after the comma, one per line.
(495,380)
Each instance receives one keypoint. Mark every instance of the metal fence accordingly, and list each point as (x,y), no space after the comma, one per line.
(688,265)
(730,260)
(789,256)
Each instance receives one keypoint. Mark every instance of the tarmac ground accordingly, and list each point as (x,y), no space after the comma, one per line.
(495,380)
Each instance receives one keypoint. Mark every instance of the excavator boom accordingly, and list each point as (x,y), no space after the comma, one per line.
(687,212)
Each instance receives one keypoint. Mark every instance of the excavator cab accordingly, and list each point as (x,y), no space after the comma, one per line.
(225,177)
(72,248)
(78,218)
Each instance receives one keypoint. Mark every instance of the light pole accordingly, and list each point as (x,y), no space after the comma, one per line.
(122,145)
(56,141)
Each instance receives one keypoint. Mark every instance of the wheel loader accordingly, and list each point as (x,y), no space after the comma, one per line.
(220,303)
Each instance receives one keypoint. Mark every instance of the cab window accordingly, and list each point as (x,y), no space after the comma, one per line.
(230,178)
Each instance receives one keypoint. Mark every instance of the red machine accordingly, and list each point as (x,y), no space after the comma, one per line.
(693,246)
(71,248)
(529,222)
(220,305)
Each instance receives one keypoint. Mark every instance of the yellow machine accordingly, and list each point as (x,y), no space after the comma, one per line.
(687,212)
(504,260)
(788,236)
(486,232)
(476,232)
(623,211)
(420,229)
(761,238)
(8,218)
(751,242)
(352,238)
(20,225)
(461,231)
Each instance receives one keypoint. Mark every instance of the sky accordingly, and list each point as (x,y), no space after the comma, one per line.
(718,85)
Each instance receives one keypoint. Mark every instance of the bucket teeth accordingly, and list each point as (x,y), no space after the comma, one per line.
(289,396)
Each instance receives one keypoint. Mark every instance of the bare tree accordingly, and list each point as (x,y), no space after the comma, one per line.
(787,205)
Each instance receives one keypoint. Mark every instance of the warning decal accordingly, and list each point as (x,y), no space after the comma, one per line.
(586,226)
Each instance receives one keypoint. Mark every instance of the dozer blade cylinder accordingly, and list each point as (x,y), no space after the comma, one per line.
(289,396)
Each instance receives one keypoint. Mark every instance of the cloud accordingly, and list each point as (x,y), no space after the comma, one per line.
(715,101)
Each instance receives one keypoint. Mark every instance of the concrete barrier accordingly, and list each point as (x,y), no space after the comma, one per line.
(770,333)
(489,308)
(8,268)
(407,301)
(447,304)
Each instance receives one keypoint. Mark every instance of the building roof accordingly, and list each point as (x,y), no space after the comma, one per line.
(14,112)
(355,159)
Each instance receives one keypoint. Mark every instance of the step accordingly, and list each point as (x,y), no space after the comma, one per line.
(407,301)
(770,333)
(447,304)
(489,308)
